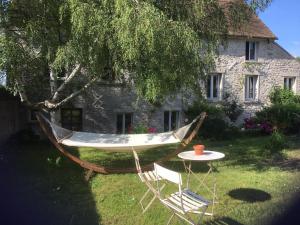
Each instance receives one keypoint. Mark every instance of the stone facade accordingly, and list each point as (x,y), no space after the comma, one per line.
(100,107)
(271,66)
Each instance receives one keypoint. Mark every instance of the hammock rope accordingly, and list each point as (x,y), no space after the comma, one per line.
(60,136)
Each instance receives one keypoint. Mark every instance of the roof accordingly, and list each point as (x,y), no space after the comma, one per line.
(254,28)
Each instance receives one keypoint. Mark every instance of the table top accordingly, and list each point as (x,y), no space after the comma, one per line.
(206,156)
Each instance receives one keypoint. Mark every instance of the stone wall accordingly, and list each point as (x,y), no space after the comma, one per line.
(101,105)
(272,65)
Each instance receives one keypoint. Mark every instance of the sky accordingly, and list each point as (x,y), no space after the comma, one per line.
(2,79)
(283,18)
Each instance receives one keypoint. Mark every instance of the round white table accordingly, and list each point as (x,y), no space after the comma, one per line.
(207,156)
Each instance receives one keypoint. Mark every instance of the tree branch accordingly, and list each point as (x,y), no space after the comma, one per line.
(51,105)
(66,81)
(22,93)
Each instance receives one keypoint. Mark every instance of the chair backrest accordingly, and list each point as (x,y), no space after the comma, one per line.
(167,174)
(137,161)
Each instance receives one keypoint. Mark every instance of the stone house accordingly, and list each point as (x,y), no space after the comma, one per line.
(247,69)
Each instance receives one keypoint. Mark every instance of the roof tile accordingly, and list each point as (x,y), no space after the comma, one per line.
(254,28)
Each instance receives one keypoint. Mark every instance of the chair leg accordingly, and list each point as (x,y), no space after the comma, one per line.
(201,215)
(170,218)
(188,219)
(144,196)
(148,205)
(151,201)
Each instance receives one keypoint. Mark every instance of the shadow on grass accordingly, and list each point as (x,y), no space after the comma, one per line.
(122,160)
(126,160)
(251,152)
(250,195)
(223,221)
(248,152)
(43,187)
(290,164)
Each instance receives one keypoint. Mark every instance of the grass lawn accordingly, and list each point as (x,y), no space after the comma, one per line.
(251,188)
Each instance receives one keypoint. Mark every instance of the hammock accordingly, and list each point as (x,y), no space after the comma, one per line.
(117,142)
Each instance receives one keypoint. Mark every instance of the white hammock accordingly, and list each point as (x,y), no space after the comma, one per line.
(118,142)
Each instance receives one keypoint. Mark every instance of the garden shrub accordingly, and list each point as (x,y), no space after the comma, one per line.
(258,127)
(139,129)
(276,143)
(284,113)
(142,129)
(214,126)
(284,117)
(218,129)
(231,107)
(283,96)
(202,106)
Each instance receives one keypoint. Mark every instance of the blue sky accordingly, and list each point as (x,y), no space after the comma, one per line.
(283,18)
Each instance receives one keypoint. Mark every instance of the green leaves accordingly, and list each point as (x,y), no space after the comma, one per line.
(159,47)
(162,54)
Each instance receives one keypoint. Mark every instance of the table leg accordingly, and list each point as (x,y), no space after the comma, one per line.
(202,184)
(214,189)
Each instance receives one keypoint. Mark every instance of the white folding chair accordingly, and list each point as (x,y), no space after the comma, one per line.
(149,178)
(183,203)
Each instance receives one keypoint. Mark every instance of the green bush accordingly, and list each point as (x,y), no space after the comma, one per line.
(276,143)
(284,96)
(140,129)
(284,113)
(203,106)
(214,126)
(284,117)
(231,107)
(218,129)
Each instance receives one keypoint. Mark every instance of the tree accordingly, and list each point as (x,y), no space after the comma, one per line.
(160,47)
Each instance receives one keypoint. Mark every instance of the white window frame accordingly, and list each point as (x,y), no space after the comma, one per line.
(291,78)
(219,87)
(255,88)
(249,54)
(123,120)
(178,114)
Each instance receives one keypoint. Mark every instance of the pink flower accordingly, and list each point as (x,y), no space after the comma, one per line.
(151,130)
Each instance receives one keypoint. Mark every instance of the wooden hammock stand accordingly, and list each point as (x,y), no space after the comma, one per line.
(105,170)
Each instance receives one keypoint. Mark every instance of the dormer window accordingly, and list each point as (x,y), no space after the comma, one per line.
(251,50)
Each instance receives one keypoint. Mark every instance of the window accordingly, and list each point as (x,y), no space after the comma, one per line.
(171,120)
(124,123)
(250,50)
(289,83)
(251,88)
(213,88)
(71,119)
